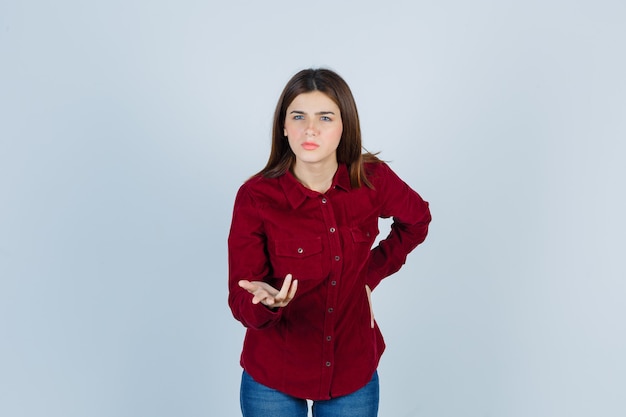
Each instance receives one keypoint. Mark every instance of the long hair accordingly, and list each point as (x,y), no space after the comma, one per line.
(349,151)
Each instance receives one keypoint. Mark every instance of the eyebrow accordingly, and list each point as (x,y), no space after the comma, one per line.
(319,113)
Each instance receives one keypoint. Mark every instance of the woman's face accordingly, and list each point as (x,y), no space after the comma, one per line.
(313,127)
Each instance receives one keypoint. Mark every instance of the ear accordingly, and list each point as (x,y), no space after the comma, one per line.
(284,132)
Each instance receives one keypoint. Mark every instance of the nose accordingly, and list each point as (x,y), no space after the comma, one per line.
(311,128)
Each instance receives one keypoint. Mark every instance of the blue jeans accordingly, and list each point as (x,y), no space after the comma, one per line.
(257,400)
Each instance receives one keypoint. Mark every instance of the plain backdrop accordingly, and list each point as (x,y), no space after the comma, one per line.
(126,128)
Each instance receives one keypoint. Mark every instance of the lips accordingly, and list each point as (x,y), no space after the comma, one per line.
(310,146)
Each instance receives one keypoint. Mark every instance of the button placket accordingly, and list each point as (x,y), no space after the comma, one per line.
(335,271)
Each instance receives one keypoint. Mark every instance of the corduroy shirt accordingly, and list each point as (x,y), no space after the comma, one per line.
(321,345)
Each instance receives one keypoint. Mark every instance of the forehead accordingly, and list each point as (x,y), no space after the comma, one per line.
(315,101)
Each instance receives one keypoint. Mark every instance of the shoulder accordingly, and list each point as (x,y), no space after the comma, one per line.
(259,182)
(378,172)
(259,187)
(375,167)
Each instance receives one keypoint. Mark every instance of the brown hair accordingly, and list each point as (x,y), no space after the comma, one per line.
(349,151)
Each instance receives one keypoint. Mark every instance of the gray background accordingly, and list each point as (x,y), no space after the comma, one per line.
(126,128)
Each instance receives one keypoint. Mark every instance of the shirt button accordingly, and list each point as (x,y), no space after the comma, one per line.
(324,200)
(300,250)
(328,364)
(337,258)
(332,230)
(330,310)
(328,338)
(333,282)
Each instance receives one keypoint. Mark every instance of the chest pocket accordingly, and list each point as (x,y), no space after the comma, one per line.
(366,236)
(300,257)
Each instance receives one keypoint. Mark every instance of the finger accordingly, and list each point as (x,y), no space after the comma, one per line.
(289,297)
(284,290)
(368,291)
(262,297)
(247,285)
(292,290)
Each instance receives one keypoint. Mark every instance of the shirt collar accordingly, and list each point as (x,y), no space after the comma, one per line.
(296,192)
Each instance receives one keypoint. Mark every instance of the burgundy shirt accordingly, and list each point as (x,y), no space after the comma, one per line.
(321,345)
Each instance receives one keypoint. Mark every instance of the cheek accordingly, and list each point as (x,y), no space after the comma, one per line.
(290,129)
(338,133)
(291,142)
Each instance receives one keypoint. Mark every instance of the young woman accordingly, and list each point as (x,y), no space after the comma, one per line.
(301,262)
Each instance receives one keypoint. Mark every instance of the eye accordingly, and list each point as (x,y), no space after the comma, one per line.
(326,119)
(298,117)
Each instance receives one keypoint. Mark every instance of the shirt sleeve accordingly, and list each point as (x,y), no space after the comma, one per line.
(247,259)
(411,217)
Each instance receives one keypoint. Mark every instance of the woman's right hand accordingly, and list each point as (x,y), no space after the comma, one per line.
(268,295)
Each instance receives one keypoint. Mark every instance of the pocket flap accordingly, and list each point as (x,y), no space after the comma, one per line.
(298,248)
(359,235)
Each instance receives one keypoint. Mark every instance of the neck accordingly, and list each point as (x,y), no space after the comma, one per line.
(315,177)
